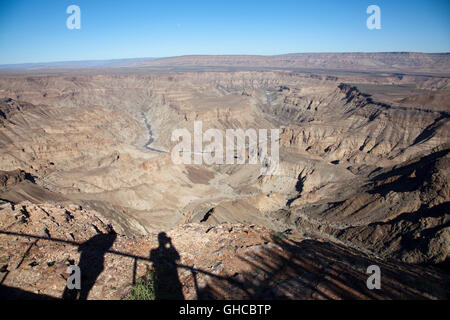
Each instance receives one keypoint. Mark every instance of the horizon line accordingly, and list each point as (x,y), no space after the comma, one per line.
(214,55)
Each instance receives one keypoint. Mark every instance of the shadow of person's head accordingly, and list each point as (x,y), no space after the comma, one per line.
(165,251)
(163,240)
(99,242)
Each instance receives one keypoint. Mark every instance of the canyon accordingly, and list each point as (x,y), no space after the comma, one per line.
(363,175)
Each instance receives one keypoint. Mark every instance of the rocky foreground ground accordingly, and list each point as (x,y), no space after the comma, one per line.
(226,261)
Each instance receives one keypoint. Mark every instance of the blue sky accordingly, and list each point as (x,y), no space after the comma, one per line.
(35,30)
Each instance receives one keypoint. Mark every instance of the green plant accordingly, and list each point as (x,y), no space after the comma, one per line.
(144,288)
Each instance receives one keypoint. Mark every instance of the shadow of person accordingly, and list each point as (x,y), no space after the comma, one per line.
(91,264)
(164,258)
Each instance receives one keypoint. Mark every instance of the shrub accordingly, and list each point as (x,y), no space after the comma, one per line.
(144,288)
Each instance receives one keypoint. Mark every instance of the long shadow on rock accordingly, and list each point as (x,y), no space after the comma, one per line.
(311,269)
(91,264)
(166,280)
